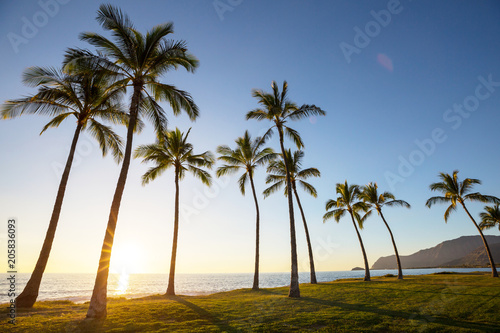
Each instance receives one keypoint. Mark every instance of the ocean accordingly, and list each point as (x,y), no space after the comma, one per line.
(78,287)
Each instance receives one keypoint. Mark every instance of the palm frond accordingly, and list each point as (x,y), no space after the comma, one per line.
(153,173)
(56,121)
(178,99)
(449,210)
(201,174)
(273,188)
(435,200)
(107,139)
(308,188)
(227,170)
(242,181)
(294,136)
(306,111)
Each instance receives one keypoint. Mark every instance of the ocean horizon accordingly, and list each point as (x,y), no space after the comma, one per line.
(77,287)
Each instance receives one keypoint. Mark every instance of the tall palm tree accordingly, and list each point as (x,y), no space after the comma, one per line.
(490,217)
(277,175)
(248,155)
(369,195)
(457,192)
(347,201)
(277,108)
(63,96)
(173,150)
(138,61)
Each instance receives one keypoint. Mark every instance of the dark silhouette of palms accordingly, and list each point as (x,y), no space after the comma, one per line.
(277,175)
(369,194)
(173,150)
(134,60)
(63,96)
(248,155)
(457,192)
(347,201)
(276,108)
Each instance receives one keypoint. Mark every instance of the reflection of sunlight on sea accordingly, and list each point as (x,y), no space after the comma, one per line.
(123,283)
(78,287)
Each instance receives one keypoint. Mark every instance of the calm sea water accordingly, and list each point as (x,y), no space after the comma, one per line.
(78,287)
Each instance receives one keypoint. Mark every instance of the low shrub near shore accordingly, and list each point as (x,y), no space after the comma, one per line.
(438,303)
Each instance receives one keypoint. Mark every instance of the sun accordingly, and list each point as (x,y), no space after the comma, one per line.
(126,258)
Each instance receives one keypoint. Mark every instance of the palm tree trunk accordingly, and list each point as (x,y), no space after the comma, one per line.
(98,301)
(367,269)
(257,236)
(171,276)
(30,293)
(490,257)
(309,247)
(294,276)
(400,271)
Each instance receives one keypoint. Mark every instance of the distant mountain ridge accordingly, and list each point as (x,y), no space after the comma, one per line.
(466,251)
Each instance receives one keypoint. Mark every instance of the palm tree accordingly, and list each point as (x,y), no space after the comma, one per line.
(173,150)
(133,60)
(347,202)
(369,195)
(276,108)
(277,175)
(248,155)
(62,96)
(456,191)
(490,217)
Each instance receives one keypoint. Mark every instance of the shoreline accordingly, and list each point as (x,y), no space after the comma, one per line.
(82,299)
(433,302)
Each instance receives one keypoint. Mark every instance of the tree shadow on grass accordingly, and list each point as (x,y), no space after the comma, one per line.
(419,317)
(221,324)
(85,325)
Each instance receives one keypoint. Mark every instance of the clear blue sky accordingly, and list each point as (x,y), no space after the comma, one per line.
(385,88)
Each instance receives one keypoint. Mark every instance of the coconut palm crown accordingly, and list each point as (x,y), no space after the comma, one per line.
(458,192)
(348,202)
(173,151)
(277,175)
(248,155)
(277,108)
(136,60)
(369,194)
(86,98)
(490,217)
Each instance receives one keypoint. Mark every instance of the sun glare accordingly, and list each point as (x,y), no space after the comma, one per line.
(122,283)
(126,258)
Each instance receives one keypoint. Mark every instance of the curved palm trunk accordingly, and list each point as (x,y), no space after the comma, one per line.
(30,293)
(98,301)
(400,271)
(257,237)
(367,269)
(171,276)
(490,257)
(294,276)
(309,247)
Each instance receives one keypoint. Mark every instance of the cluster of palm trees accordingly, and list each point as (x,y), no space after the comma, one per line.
(91,87)
(360,202)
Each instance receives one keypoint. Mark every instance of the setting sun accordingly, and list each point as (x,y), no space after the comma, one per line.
(126,259)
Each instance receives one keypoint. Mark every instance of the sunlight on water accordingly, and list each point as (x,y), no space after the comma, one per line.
(123,283)
(78,287)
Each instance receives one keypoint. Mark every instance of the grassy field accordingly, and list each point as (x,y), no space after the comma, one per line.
(436,303)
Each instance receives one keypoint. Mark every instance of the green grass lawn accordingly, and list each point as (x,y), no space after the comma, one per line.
(437,303)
